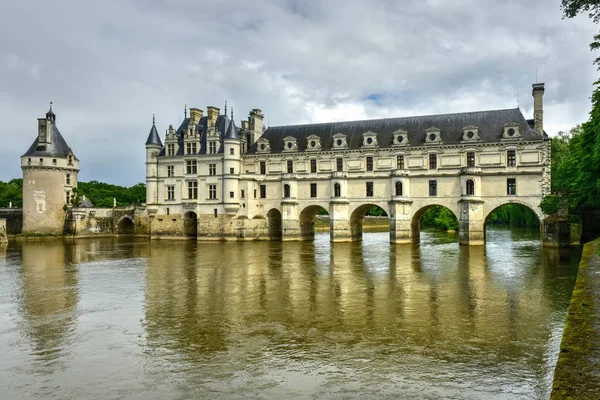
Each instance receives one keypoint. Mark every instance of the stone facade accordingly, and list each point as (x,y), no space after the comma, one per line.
(212,180)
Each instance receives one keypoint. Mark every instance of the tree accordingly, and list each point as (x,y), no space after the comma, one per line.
(572,8)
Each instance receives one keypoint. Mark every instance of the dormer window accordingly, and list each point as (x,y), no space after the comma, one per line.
(263,146)
(289,144)
(313,142)
(369,139)
(470,133)
(400,138)
(433,135)
(511,131)
(340,141)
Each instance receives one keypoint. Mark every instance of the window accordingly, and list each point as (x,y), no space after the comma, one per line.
(231,195)
(216,212)
(313,190)
(470,187)
(170,171)
(313,166)
(511,158)
(191,148)
(170,192)
(398,188)
(433,188)
(29,161)
(290,166)
(337,190)
(400,161)
(232,171)
(470,159)
(433,161)
(511,186)
(212,169)
(369,163)
(68,179)
(369,189)
(168,211)
(212,147)
(232,151)
(254,193)
(263,191)
(192,190)
(170,149)
(212,192)
(286,191)
(263,167)
(68,198)
(54,161)
(41,160)
(191,166)
(70,160)
(243,194)
(339,164)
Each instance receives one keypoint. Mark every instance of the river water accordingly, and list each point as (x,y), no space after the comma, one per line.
(134,319)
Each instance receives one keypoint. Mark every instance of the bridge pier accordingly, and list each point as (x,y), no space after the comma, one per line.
(400,221)
(471,229)
(340,229)
(291,224)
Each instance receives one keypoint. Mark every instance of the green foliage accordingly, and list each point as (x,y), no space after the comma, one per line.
(513,215)
(550,204)
(11,191)
(376,212)
(102,194)
(440,218)
(571,8)
(560,155)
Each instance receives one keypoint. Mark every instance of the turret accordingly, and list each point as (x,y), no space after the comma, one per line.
(153,147)
(538,107)
(50,172)
(231,167)
(255,125)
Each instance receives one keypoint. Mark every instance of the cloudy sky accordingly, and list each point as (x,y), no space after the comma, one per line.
(108,65)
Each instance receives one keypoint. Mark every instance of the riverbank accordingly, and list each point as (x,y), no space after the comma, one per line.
(577,373)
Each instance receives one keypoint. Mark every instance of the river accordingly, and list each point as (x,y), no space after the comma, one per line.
(133,319)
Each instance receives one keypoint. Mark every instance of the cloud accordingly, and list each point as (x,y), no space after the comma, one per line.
(109,66)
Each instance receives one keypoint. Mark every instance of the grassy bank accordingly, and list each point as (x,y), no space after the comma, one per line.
(577,373)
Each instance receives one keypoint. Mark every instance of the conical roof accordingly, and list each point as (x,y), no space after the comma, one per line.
(153,137)
(232,132)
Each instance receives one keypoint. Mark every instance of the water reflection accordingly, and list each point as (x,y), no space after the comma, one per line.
(281,320)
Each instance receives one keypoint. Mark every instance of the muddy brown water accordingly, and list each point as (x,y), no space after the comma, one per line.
(133,319)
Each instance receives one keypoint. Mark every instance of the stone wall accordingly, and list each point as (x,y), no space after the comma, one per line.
(14,220)
(88,222)
(3,238)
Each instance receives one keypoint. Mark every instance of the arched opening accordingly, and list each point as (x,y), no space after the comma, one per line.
(398,188)
(125,226)
(337,190)
(368,217)
(286,191)
(190,224)
(275,224)
(513,222)
(309,218)
(470,186)
(438,220)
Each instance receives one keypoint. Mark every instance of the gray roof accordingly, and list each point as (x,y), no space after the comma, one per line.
(490,124)
(58,147)
(223,125)
(232,131)
(153,137)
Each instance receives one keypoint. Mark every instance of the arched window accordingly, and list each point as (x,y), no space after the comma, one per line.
(337,190)
(470,187)
(398,188)
(286,190)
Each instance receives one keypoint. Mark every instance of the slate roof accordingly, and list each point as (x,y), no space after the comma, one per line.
(153,137)
(223,125)
(490,124)
(57,148)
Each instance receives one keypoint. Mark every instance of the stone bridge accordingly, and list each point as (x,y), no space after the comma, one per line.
(82,222)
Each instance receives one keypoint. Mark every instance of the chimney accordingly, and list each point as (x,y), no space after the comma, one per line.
(213,113)
(195,115)
(256,120)
(538,107)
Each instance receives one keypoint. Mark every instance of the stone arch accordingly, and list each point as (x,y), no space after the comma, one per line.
(190,224)
(125,225)
(415,223)
(357,216)
(275,224)
(308,217)
(496,205)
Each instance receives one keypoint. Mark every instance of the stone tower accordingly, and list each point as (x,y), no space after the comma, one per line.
(153,147)
(538,106)
(49,176)
(231,168)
